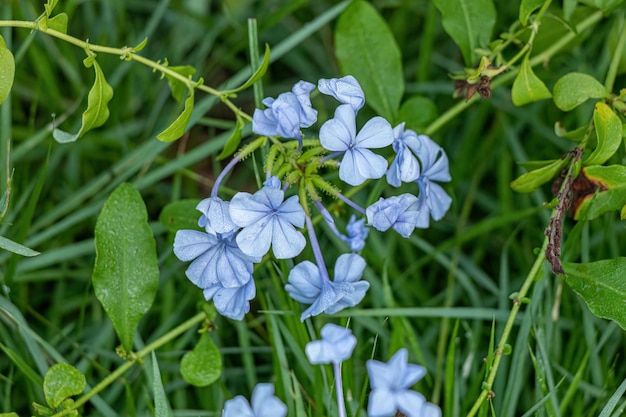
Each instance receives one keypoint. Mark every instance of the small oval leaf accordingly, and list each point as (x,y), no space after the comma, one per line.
(141,45)
(609,133)
(366,49)
(7,70)
(203,365)
(178,126)
(126,274)
(527,87)
(602,285)
(575,88)
(62,381)
(530,181)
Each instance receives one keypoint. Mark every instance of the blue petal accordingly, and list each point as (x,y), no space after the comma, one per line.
(245,209)
(272,182)
(349,268)
(189,244)
(359,164)
(264,123)
(217,215)
(287,242)
(327,298)
(255,239)
(232,302)
(305,282)
(337,134)
(237,407)
(336,345)
(346,90)
(357,234)
(292,211)
(265,403)
(308,115)
(381,403)
(438,200)
(410,403)
(377,133)
(286,110)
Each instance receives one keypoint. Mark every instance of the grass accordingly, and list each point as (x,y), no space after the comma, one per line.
(443,293)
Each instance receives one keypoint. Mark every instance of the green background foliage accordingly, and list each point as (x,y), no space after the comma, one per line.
(459,274)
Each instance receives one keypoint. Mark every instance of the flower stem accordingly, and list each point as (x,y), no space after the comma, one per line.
(112,377)
(317,251)
(341,406)
(530,278)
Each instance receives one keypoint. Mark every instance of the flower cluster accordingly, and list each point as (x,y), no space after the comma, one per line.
(239,233)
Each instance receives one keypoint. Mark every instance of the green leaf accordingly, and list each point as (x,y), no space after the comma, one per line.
(530,181)
(22,365)
(257,74)
(602,285)
(604,5)
(178,87)
(527,87)
(366,49)
(575,88)
(62,381)
(418,112)
(11,414)
(610,182)
(58,23)
(126,274)
(15,247)
(97,111)
(233,141)
(49,6)
(141,45)
(161,407)
(609,133)
(7,70)
(469,23)
(181,214)
(575,135)
(203,365)
(526,8)
(178,126)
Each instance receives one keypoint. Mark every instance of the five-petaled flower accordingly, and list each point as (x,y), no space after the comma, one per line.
(267,220)
(391,388)
(263,404)
(309,285)
(398,212)
(358,163)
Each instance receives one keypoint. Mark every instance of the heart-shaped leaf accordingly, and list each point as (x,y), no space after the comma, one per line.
(203,365)
(62,381)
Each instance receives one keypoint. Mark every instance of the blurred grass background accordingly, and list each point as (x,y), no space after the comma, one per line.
(463,268)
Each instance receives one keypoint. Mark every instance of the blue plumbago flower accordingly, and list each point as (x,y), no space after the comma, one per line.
(336,345)
(391,387)
(216,259)
(358,163)
(399,212)
(357,234)
(264,404)
(433,199)
(346,90)
(404,167)
(310,286)
(232,302)
(285,115)
(268,220)
(215,215)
